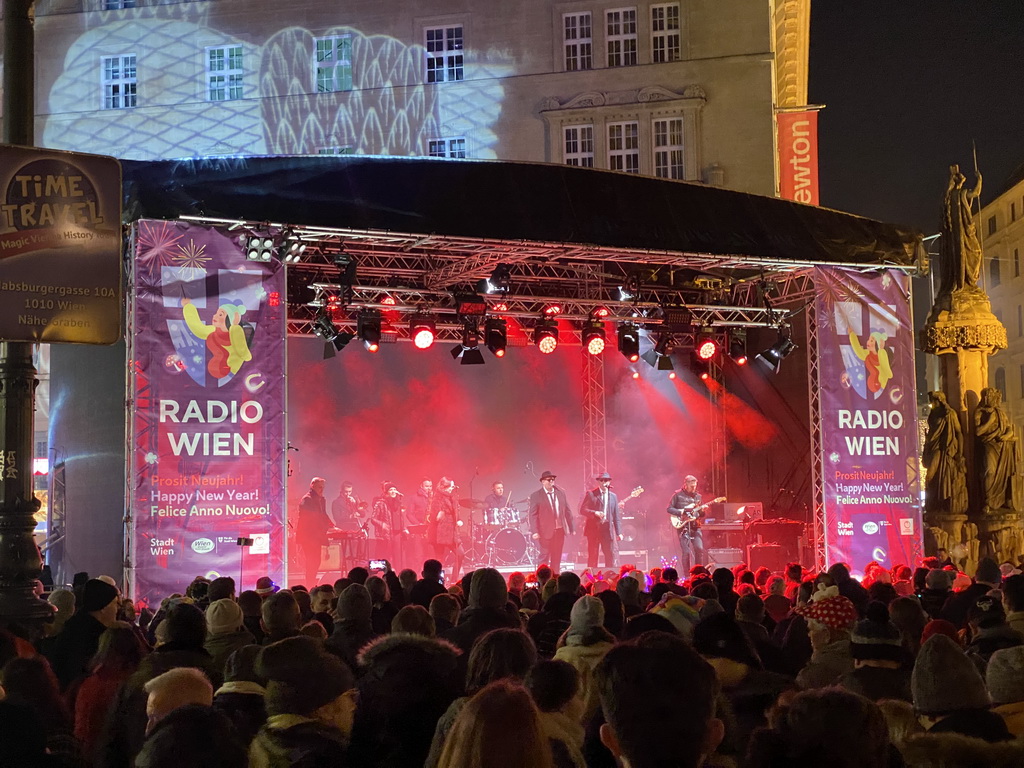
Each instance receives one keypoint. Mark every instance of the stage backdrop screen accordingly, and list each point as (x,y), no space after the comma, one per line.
(870,462)
(207,414)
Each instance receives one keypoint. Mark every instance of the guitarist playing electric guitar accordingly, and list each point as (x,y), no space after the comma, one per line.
(600,509)
(687,511)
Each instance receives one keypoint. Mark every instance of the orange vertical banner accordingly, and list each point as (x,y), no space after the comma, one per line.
(798,156)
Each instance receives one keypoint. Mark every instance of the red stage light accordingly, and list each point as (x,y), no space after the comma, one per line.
(372,346)
(547,344)
(553,309)
(595,346)
(741,360)
(636,374)
(423,338)
(672,374)
(601,312)
(499,352)
(705,376)
(707,349)
(500,308)
(389,300)
(274,298)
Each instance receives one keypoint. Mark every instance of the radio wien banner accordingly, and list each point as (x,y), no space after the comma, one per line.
(798,156)
(208,425)
(868,418)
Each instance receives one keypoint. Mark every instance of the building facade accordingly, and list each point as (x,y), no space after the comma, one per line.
(683,90)
(1001,229)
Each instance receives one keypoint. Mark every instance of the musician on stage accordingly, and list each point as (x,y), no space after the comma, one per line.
(311,530)
(497,498)
(550,520)
(348,510)
(443,526)
(388,518)
(600,511)
(685,505)
(416,548)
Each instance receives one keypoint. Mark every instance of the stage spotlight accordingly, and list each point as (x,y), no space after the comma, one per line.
(706,347)
(545,336)
(346,264)
(368,328)
(292,247)
(497,282)
(593,337)
(658,361)
(700,366)
(636,374)
(496,335)
(776,353)
(324,327)
(738,347)
(629,341)
(259,247)
(468,352)
(553,309)
(421,330)
(671,374)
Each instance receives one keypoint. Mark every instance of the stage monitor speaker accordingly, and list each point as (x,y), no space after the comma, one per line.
(725,558)
(724,536)
(774,557)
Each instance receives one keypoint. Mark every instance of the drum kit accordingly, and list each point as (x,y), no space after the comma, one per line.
(499,535)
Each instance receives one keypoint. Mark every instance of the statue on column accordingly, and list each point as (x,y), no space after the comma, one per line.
(961,249)
(943,456)
(997,451)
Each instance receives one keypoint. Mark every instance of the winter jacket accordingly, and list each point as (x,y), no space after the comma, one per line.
(292,741)
(243,704)
(989,640)
(476,622)
(1013,716)
(979,723)
(827,665)
(223,645)
(566,737)
(585,659)
(407,683)
(952,750)
(70,651)
(1016,620)
(959,603)
(933,601)
(348,638)
(444,725)
(548,625)
(749,700)
(94,700)
(877,683)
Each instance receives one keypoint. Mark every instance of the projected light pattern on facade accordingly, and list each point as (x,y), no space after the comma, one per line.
(374,101)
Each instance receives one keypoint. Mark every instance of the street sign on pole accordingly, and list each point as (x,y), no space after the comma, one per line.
(60,246)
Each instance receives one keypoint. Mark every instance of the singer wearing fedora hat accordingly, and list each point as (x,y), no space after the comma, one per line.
(550,520)
(600,511)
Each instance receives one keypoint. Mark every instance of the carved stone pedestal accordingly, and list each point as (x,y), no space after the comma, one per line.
(1001,536)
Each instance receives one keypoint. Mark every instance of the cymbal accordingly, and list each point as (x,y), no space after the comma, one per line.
(470,503)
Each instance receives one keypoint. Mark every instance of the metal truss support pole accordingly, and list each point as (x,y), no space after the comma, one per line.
(818,543)
(719,440)
(595,449)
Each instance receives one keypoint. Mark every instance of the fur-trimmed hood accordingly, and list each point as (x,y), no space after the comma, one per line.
(382,650)
(952,750)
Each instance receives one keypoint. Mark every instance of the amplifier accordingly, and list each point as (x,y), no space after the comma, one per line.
(745,511)
(728,557)
(780,531)
(774,557)
(724,536)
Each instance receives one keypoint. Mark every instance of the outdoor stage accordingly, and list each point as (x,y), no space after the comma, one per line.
(387,242)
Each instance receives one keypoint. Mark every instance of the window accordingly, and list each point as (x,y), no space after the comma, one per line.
(119,82)
(579,145)
(1016,262)
(624,147)
(993,272)
(668,148)
(579,41)
(1020,320)
(1013,211)
(1000,379)
(621,37)
(992,225)
(665,32)
(447,147)
(114,5)
(1021,381)
(224,73)
(332,64)
(444,54)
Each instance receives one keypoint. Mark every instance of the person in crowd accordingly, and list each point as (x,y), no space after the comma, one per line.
(849,587)
(554,687)
(516,584)
(414,619)
(1004,678)
(830,617)
(195,736)
(554,617)
(628,590)
(221,588)
(530,606)
(500,728)
(225,630)
(1013,602)
(878,658)
(583,645)
(322,603)
(118,657)
(882,592)
(63,602)
(499,655)
(431,584)
(382,611)
(70,651)
(31,682)
(910,619)
(241,697)
(647,622)
(305,603)
(252,612)
(668,729)
(950,695)
(23,738)
(444,609)
(353,629)
(614,614)
(265,587)
(406,683)
(791,634)
(682,612)
(485,610)
(750,612)
(407,578)
(776,604)
(829,727)
(311,703)
(986,578)
(723,579)
(279,617)
(794,574)
(988,631)
(173,689)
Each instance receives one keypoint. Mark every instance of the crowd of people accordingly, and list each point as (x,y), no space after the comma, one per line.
(922,668)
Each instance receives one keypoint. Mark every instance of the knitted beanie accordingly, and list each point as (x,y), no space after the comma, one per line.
(354,603)
(488,589)
(265,586)
(1005,675)
(720,637)
(587,613)
(97,595)
(241,665)
(945,680)
(940,627)
(683,612)
(876,638)
(300,676)
(223,617)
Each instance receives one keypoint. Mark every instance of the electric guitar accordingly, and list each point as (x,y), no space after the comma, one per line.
(601,515)
(690,514)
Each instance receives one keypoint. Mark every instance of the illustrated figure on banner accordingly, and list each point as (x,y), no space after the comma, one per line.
(961,249)
(998,451)
(868,364)
(227,338)
(943,457)
(875,358)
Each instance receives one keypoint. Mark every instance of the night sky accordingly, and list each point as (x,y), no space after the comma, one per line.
(908,85)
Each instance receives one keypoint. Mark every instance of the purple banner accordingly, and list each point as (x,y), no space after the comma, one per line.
(869,442)
(207,419)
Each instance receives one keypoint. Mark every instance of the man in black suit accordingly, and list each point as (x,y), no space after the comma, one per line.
(600,510)
(311,531)
(550,520)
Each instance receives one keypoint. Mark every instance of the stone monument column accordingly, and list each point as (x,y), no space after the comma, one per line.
(962,330)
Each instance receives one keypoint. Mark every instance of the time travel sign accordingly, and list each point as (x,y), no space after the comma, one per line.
(60,246)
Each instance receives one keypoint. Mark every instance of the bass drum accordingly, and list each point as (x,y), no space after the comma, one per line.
(508,546)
